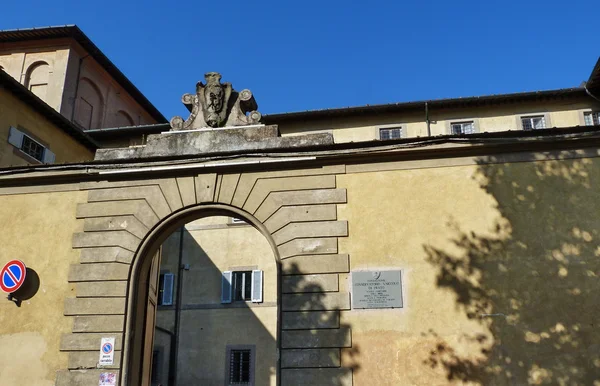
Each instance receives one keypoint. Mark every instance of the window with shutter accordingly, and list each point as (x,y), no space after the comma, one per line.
(165,289)
(390,133)
(591,118)
(458,128)
(30,146)
(257,286)
(226,286)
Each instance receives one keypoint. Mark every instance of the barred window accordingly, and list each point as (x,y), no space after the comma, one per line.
(591,118)
(32,148)
(533,122)
(240,365)
(458,128)
(390,133)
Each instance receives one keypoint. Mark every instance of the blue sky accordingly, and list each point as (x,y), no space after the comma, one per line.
(311,54)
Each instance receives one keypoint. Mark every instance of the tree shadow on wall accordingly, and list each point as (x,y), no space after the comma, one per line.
(313,336)
(532,283)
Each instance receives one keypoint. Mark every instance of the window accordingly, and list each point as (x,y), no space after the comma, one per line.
(591,118)
(240,365)
(533,122)
(165,289)
(242,282)
(458,128)
(29,146)
(390,133)
(241,286)
(32,148)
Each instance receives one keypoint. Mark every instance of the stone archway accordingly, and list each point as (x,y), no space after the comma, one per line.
(296,208)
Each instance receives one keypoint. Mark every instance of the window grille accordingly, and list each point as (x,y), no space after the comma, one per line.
(32,148)
(591,118)
(391,133)
(239,367)
(458,128)
(534,122)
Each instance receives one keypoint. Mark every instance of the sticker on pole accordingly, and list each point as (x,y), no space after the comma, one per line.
(12,276)
(107,351)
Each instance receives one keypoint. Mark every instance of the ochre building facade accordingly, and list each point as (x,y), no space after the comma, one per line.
(233,253)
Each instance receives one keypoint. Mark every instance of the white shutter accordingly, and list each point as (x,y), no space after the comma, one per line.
(167,285)
(15,137)
(49,157)
(226,287)
(257,286)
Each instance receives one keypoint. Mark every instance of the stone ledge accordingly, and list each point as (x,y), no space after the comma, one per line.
(195,142)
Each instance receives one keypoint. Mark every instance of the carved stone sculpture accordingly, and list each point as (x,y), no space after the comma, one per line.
(217,104)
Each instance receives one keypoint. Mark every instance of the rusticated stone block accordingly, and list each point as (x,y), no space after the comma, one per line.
(98,323)
(98,271)
(308,247)
(306,264)
(310,283)
(97,289)
(311,377)
(339,337)
(106,255)
(307,320)
(81,377)
(299,230)
(87,342)
(94,306)
(328,357)
(316,301)
(89,360)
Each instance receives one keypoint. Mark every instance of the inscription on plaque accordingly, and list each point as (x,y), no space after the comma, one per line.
(376,289)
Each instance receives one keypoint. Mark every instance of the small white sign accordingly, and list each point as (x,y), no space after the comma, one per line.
(108,379)
(107,351)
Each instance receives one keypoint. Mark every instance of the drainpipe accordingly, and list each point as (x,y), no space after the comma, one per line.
(175,352)
(427,119)
(77,86)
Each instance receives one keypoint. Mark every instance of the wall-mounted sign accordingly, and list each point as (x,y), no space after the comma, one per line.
(376,289)
(12,276)
(107,351)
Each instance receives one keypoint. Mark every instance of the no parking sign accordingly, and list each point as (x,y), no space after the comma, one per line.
(107,351)
(12,276)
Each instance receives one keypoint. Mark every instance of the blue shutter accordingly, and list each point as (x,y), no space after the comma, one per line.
(15,137)
(257,286)
(226,287)
(167,285)
(49,157)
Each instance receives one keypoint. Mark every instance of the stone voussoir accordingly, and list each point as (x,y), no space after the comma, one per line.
(98,272)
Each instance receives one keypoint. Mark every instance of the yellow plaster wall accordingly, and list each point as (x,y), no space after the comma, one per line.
(37,229)
(14,112)
(487,118)
(499,269)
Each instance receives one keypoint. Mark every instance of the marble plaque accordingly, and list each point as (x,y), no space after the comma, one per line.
(376,289)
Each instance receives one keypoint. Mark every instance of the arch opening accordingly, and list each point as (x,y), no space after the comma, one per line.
(180,327)
(89,107)
(37,78)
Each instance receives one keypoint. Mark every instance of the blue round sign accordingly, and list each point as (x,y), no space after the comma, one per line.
(12,276)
